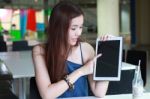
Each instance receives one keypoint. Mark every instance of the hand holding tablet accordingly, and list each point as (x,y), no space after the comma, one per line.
(108,66)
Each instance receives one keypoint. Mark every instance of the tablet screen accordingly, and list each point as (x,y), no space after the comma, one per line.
(108,66)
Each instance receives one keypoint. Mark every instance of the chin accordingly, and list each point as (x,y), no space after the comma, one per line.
(73,43)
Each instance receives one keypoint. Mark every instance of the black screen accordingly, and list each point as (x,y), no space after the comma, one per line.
(107,65)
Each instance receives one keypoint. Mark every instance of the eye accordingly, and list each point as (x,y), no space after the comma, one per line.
(73,28)
(81,27)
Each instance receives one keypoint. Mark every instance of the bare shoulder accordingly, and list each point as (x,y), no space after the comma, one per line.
(88,51)
(86,45)
(38,57)
(38,50)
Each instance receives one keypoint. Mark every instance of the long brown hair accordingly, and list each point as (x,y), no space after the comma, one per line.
(57,46)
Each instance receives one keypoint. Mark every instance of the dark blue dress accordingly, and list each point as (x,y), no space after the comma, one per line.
(81,85)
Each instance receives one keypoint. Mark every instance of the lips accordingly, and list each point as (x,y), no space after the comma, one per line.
(74,39)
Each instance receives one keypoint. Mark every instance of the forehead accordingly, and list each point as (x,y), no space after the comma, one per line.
(77,20)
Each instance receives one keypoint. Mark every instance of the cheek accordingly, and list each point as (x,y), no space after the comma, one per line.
(71,33)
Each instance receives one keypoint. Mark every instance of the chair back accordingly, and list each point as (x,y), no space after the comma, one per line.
(133,57)
(1,38)
(3,46)
(123,55)
(20,46)
(6,83)
(124,86)
(34,93)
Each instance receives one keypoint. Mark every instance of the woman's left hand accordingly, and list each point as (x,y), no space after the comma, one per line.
(106,37)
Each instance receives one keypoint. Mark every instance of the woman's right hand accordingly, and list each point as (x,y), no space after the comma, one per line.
(89,66)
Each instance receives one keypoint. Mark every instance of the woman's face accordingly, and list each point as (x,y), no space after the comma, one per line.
(75,29)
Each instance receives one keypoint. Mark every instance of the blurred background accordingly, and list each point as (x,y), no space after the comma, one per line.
(27,20)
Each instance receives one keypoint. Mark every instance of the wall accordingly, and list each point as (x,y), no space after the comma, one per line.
(143,22)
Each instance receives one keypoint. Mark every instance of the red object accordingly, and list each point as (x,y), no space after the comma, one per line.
(31,20)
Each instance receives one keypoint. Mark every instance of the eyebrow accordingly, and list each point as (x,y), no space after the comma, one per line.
(76,25)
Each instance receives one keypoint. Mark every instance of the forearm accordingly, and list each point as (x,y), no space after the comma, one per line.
(56,89)
(101,88)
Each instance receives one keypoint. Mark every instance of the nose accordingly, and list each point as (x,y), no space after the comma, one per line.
(78,32)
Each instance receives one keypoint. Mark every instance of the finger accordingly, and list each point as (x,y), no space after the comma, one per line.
(111,35)
(97,56)
(106,38)
(101,38)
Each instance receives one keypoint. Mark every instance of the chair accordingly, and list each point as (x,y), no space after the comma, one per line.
(133,57)
(124,86)
(123,55)
(3,46)
(6,83)
(20,46)
(34,93)
(1,38)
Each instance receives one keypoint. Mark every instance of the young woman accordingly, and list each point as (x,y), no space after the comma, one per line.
(64,65)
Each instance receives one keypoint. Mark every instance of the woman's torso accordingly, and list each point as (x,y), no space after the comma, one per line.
(81,85)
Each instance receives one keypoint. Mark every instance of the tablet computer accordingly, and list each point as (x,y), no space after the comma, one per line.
(108,66)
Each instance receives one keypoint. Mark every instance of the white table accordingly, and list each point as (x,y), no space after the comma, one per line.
(19,63)
(21,66)
(127,66)
(120,96)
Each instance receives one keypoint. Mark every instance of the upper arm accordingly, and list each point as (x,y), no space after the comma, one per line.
(88,52)
(98,88)
(41,73)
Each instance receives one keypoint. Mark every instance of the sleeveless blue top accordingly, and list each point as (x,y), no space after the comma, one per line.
(80,86)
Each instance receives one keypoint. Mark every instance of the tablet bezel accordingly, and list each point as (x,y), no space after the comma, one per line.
(117,78)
